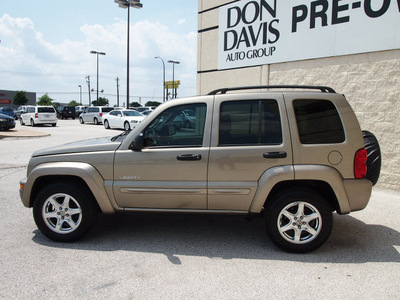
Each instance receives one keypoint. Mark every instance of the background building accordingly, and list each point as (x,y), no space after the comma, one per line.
(351,47)
(7,97)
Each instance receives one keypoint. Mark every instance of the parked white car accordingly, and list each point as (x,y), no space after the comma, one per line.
(126,119)
(35,115)
(94,114)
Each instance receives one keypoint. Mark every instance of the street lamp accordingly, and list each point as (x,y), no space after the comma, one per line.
(80,94)
(127,4)
(97,54)
(173,76)
(164,90)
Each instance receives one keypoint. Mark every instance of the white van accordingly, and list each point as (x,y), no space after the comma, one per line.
(35,115)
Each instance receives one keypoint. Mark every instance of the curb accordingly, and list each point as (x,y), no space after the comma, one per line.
(16,133)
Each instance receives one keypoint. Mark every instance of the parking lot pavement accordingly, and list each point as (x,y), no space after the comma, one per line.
(141,256)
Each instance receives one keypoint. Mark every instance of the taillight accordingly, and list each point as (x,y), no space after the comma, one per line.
(101,114)
(36,115)
(360,164)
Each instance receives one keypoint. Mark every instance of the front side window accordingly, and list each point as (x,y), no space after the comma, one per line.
(250,122)
(178,126)
(318,122)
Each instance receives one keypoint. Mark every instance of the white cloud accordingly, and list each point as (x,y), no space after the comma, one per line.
(31,63)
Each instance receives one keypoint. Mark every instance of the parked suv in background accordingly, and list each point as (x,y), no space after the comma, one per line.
(293,156)
(35,115)
(66,112)
(94,114)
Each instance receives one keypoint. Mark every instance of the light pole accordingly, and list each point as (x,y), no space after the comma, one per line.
(80,94)
(97,54)
(164,90)
(127,4)
(173,76)
(88,83)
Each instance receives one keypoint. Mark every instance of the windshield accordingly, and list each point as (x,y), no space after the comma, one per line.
(131,113)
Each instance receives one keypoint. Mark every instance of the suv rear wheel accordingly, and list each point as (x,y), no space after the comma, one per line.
(299,220)
(63,212)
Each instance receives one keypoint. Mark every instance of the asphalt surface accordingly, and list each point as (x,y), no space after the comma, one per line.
(184,256)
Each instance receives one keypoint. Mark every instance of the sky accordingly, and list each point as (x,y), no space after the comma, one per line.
(45,48)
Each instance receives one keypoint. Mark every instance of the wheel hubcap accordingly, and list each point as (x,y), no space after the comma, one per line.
(299,222)
(62,213)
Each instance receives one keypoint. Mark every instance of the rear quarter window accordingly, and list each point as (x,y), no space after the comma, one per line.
(318,122)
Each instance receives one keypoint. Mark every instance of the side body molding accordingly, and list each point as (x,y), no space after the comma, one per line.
(86,172)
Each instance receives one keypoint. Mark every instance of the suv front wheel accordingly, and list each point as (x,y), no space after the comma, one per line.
(299,220)
(63,212)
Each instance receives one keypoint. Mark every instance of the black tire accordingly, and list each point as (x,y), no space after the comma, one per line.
(95,121)
(374,158)
(21,121)
(127,127)
(54,124)
(32,123)
(52,211)
(299,220)
(81,120)
(106,125)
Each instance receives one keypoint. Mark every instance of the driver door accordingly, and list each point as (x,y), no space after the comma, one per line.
(170,172)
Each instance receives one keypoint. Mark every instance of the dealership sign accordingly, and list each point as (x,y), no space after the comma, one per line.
(257,32)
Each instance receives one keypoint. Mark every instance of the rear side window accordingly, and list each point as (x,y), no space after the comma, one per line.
(318,122)
(250,122)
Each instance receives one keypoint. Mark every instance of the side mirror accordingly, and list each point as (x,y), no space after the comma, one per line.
(138,143)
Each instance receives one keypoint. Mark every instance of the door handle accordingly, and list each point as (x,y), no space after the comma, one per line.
(281,154)
(190,157)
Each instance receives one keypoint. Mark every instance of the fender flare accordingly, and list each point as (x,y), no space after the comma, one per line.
(86,172)
(279,174)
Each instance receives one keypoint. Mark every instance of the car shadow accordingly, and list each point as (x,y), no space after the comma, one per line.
(229,237)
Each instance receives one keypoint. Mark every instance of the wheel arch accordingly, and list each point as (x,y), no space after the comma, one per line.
(81,174)
(321,187)
(325,180)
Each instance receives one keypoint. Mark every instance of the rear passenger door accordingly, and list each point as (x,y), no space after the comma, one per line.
(250,136)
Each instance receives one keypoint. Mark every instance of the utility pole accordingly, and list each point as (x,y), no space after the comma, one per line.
(88,82)
(117,91)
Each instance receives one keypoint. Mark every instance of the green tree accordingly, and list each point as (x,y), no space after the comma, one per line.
(134,104)
(20,98)
(45,100)
(100,102)
(152,103)
(73,103)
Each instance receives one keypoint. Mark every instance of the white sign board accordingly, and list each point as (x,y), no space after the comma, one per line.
(258,32)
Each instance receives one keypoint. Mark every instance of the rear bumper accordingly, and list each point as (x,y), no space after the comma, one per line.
(45,121)
(358,193)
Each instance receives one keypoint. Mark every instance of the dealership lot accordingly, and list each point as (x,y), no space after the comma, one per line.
(179,256)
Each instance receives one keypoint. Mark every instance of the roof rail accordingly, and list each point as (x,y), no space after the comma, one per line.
(323,89)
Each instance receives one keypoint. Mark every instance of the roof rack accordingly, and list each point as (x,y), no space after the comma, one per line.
(323,89)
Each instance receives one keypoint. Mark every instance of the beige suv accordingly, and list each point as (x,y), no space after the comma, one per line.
(291,155)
